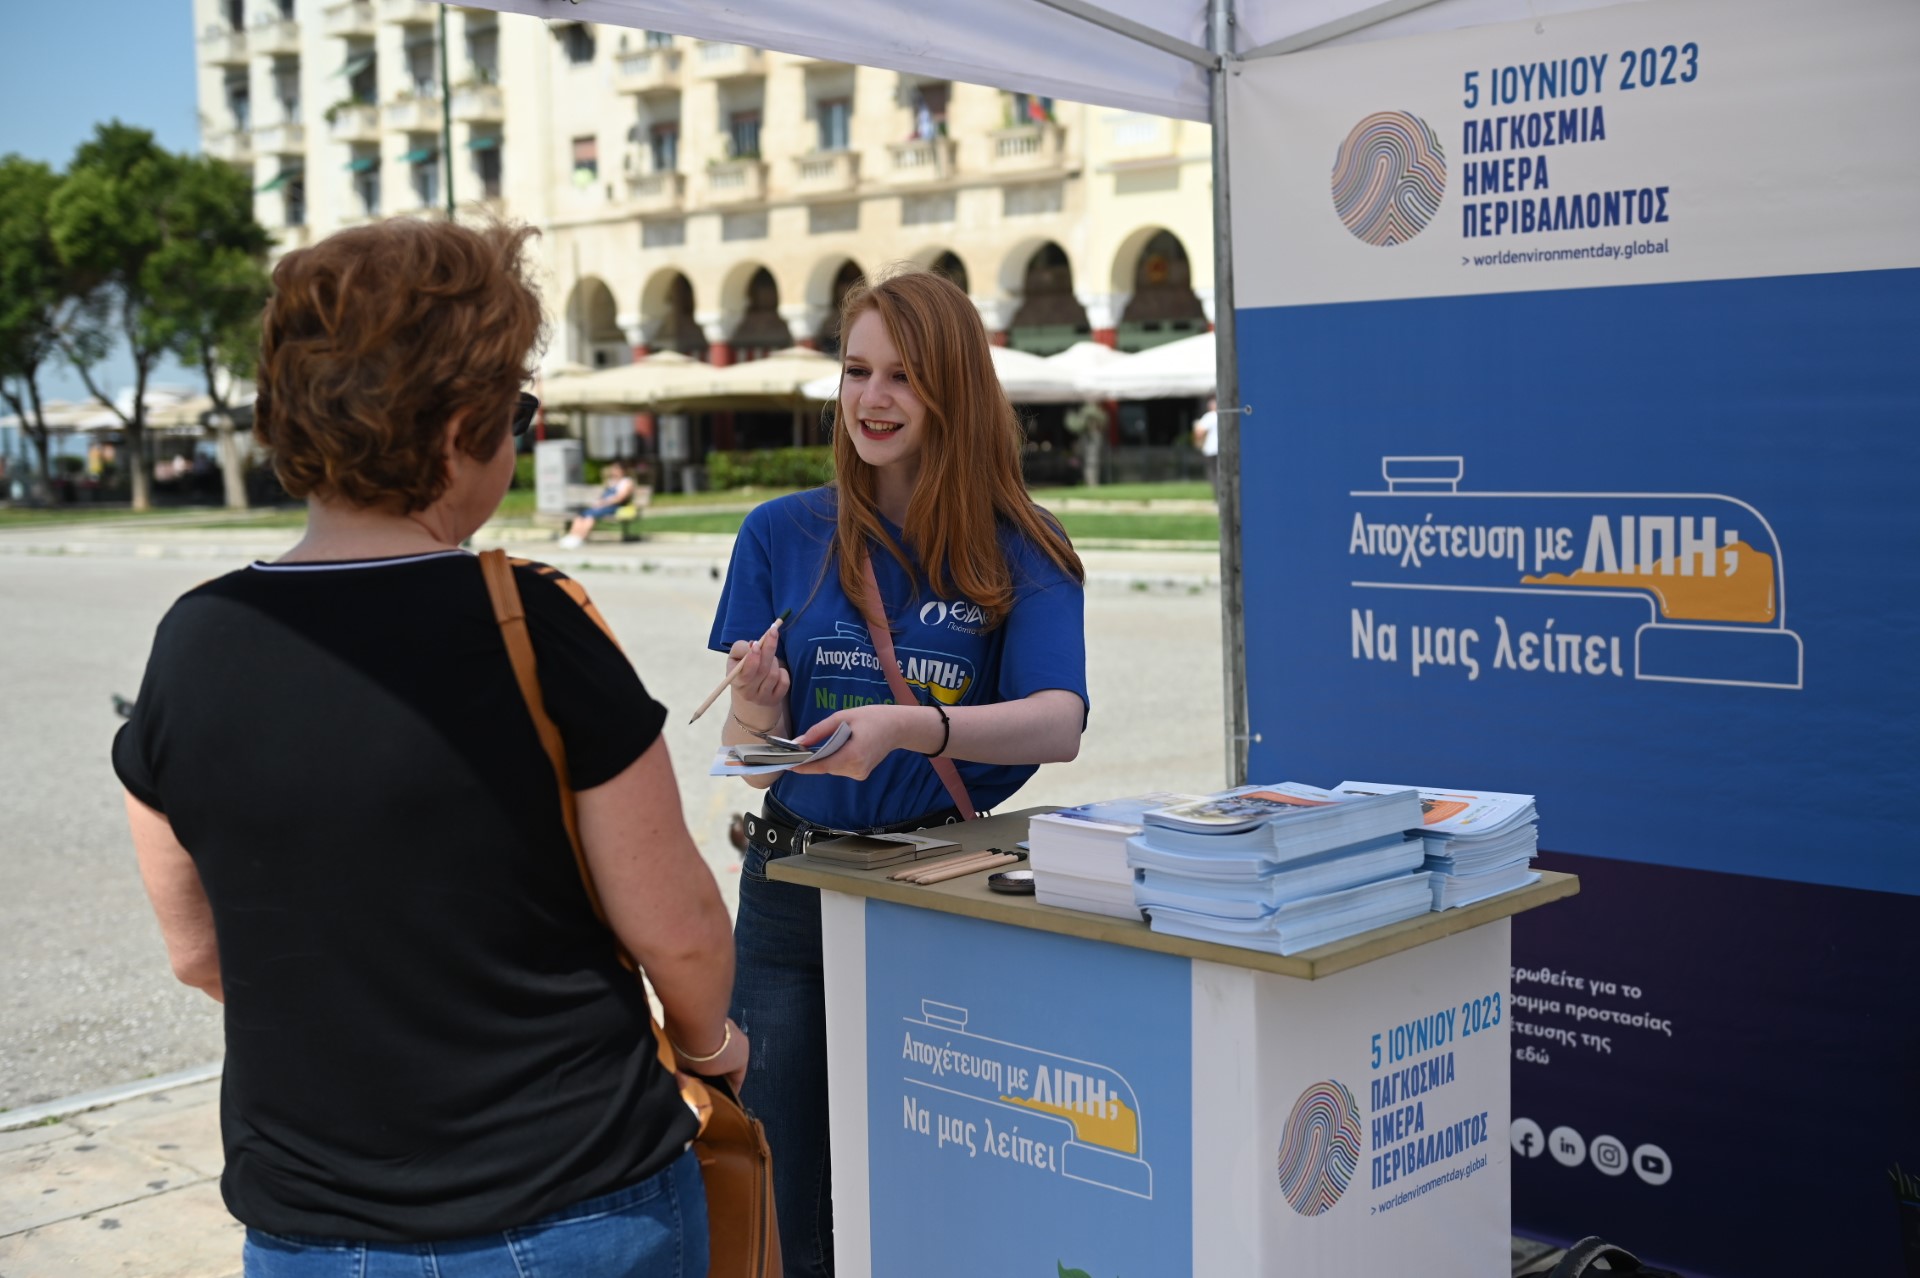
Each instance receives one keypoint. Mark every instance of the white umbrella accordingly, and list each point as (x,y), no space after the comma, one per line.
(1082,368)
(630,386)
(1178,370)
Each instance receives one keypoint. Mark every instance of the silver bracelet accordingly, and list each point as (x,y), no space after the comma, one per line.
(749,727)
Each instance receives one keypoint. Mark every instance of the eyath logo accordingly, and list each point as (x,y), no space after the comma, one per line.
(1320,1148)
(1388,178)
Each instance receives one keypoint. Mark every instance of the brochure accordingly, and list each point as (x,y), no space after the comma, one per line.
(752,759)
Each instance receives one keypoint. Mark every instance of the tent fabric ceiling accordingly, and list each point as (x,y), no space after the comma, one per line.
(1030,46)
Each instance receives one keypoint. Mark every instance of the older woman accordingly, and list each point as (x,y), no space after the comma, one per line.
(353,838)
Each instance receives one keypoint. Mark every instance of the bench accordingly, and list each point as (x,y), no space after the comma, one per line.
(626,519)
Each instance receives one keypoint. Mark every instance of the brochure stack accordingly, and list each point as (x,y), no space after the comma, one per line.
(1281,868)
(1478,843)
(1079,855)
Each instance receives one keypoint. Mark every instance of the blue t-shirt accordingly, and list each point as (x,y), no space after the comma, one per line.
(782,559)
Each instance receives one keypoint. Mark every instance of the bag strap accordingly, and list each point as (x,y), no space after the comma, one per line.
(511,615)
(875,615)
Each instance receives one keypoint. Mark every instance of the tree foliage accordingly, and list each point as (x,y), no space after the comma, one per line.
(33,291)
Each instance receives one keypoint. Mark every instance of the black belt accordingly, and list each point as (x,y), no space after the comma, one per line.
(784,838)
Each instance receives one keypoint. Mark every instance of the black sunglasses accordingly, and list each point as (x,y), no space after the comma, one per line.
(524,412)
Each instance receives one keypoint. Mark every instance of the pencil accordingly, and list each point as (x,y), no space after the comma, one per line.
(963,868)
(727,682)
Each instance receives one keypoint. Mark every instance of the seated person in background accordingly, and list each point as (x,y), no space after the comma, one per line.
(617,493)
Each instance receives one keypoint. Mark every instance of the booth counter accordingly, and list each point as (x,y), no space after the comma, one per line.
(1019,1089)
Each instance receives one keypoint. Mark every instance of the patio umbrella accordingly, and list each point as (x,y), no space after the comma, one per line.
(1180,369)
(1082,368)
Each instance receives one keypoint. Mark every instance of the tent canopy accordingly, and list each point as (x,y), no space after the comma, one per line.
(1177,370)
(1081,50)
(1027,379)
(672,380)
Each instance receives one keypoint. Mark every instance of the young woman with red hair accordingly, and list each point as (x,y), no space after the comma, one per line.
(927,529)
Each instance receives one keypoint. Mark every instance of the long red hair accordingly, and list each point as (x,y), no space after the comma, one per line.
(970,481)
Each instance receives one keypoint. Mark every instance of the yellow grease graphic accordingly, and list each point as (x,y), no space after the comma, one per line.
(1117,1129)
(940,692)
(1742,591)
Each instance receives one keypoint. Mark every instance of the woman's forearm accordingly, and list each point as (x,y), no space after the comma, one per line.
(1042,728)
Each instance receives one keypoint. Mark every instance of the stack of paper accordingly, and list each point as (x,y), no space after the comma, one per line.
(1079,855)
(872,851)
(772,754)
(1280,868)
(1478,843)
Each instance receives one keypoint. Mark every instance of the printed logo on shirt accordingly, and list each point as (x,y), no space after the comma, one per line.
(964,616)
(847,655)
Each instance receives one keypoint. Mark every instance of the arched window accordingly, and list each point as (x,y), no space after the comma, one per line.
(1050,317)
(1163,306)
(761,331)
(953,268)
(677,329)
(828,338)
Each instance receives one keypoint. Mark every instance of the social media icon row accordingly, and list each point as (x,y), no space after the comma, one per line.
(1607,1153)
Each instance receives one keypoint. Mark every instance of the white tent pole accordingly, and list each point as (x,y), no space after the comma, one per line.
(1160,40)
(1233,628)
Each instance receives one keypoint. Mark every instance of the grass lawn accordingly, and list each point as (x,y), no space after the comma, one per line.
(664,513)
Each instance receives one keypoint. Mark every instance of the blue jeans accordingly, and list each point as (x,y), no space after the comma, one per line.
(779,999)
(655,1229)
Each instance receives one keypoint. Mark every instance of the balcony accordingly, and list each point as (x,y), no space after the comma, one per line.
(1025,148)
(354,122)
(416,113)
(235,146)
(648,71)
(479,104)
(223,46)
(289,137)
(925,160)
(411,12)
(826,172)
(656,192)
(354,18)
(737,182)
(278,38)
(721,61)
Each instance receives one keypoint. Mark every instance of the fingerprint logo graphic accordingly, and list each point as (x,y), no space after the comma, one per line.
(1320,1148)
(1388,178)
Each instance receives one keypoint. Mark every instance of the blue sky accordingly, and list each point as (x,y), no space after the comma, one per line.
(70,66)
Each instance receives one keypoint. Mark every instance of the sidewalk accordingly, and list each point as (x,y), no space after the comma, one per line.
(129,1188)
(126,1182)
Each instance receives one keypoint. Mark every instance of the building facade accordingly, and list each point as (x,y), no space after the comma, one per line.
(704,197)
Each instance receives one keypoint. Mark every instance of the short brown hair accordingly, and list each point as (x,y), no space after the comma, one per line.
(375,338)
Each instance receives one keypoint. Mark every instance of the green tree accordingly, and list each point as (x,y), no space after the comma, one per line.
(33,292)
(109,220)
(210,283)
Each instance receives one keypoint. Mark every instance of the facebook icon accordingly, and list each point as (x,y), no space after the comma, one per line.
(1526,1138)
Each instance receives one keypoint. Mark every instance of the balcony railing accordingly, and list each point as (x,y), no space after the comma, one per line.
(353,18)
(416,112)
(235,146)
(648,71)
(720,61)
(289,137)
(278,38)
(827,172)
(479,104)
(409,11)
(656,192)
(1025,148)
(359,122)
(924,160)
(223,46)
(737,182)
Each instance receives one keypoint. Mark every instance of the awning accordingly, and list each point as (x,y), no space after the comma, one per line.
(484,142)
(279,180)
(363,163)
(420,155)
(354,66)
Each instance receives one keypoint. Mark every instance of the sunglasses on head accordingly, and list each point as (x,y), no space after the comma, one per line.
(524,412)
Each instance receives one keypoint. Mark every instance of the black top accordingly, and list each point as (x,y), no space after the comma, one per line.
(428,1034)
